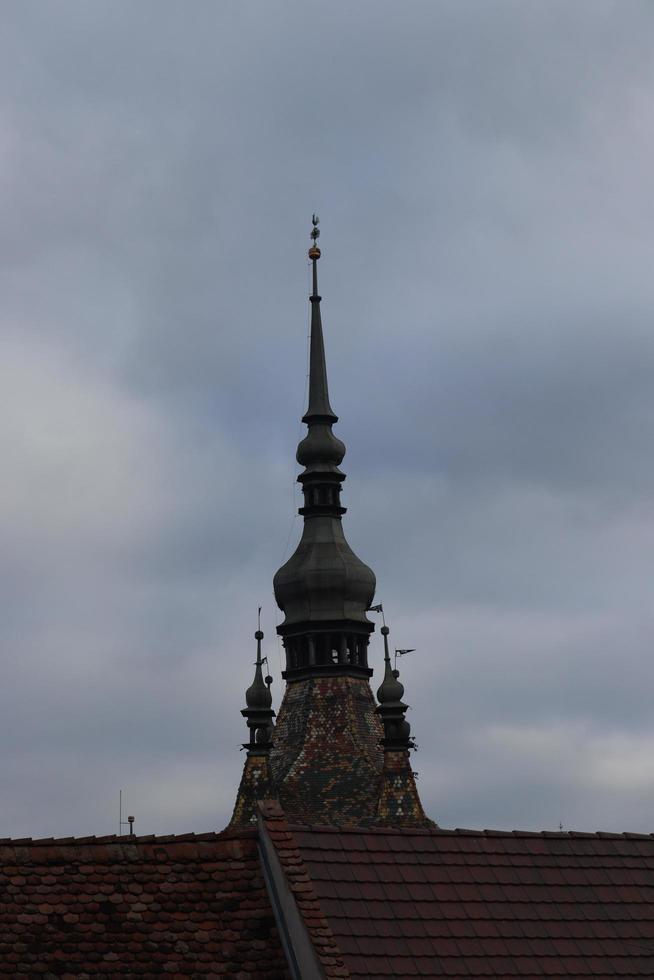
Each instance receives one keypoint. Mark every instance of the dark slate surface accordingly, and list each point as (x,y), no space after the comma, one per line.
(436,903)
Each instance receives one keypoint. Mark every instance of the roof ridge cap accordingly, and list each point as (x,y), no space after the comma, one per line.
(469,832)
(92,839)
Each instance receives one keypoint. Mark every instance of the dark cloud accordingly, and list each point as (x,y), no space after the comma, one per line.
(482,171)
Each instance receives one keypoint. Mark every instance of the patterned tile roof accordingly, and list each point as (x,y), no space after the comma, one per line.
(192,906)
(373,903)
(434,903)
(326,759)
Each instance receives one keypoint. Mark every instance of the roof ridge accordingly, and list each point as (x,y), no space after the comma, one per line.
(466,832)
(191,838)
(208,836)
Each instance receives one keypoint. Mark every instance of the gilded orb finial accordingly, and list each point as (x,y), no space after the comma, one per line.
(314,251)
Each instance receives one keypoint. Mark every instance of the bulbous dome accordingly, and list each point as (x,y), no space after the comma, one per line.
(258,696)
(391,690)
(320,445)
(324,580)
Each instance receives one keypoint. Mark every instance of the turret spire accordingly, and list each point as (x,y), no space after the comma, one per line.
(392,709)
(256,783)
(258,699)
(399,802)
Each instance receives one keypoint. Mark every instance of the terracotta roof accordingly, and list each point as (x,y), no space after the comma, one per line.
(435,903)
(299,882)
(373,903)
(192,906)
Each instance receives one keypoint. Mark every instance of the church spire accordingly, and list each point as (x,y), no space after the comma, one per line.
(320,450)
(324,590)
(338,759)
(319,407)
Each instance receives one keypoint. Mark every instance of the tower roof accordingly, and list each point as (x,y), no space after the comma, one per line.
(324,586)
(336,756)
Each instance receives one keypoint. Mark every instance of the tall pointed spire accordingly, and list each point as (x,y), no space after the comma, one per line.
(320,446)
(324,590)
(319,408)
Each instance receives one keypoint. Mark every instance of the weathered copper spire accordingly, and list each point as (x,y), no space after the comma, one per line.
(324,590)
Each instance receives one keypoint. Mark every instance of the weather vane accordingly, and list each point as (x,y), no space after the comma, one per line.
(315,231)
(403,653)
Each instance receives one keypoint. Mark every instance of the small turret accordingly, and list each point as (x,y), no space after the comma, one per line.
(258,711)
(392,709)
(256,783)
(399,802)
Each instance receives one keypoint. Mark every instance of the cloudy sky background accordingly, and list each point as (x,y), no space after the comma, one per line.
(483,173)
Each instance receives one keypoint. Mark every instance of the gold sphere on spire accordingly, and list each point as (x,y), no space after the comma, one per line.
(314,252)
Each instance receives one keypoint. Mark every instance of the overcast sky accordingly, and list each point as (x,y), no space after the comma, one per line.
(483,174)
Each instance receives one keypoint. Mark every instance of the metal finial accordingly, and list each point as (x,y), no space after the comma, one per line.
(314,251)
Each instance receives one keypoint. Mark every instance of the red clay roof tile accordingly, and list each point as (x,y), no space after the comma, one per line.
(192,906)
(377,903)
(489,904)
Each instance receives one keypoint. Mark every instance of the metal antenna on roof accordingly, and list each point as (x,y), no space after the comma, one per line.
(124,823)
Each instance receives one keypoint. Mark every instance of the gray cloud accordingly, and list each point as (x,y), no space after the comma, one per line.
(482,171)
